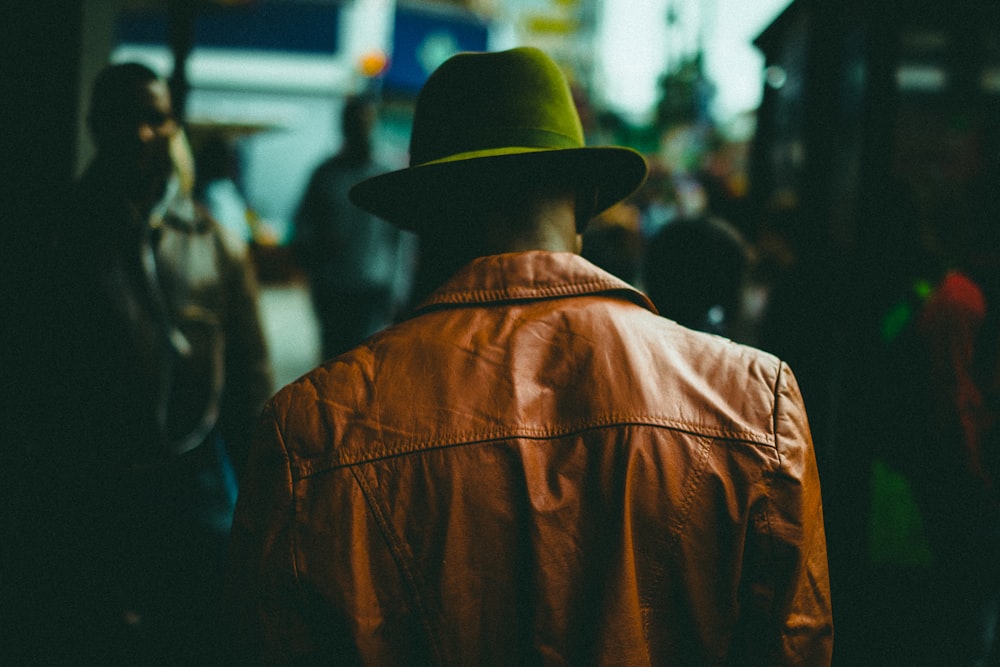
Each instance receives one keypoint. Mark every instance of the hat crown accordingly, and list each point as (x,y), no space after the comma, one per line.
(490,101)
(481,116)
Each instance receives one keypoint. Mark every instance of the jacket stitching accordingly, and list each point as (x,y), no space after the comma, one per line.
(694,483)
(768,478)
(396,548)
(293,501)
(776,410)
(482,296)
(309,467)
(769,571)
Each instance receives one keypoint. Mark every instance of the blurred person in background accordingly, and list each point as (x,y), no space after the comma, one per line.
(159,372)
(534,467)
(953,439)
(695,271)
(801,320)
(657,199)
(217,187)
(613,242)
(358,265)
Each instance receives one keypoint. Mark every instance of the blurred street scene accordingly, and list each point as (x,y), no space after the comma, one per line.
(818,169)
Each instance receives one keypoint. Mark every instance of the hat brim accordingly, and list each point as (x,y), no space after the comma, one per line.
(408,197)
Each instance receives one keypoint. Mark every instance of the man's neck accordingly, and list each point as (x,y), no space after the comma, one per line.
(547,224)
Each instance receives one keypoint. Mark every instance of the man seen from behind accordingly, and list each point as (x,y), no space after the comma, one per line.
(533,467)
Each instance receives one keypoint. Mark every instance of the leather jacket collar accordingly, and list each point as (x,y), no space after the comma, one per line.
(523,276)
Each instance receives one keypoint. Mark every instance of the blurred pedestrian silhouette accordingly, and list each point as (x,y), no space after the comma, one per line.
(872,504)
(695,270)
(533,467)
(955,466)
(802,319)
(657,199)
(613,242)
(162,371)
(217,186)
(358,266)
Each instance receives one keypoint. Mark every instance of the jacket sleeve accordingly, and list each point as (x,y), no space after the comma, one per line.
(791,576)
(263,601)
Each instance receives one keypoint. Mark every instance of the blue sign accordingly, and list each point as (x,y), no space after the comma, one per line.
(264,26)
(423,40)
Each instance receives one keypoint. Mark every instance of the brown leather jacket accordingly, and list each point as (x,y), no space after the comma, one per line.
(535,469)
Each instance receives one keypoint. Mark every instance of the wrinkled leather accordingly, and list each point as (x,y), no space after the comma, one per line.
(535,468)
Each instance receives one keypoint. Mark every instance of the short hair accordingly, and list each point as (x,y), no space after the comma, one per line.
(112,93)
(693,264)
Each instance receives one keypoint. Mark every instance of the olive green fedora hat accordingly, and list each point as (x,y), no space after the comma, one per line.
(490,114)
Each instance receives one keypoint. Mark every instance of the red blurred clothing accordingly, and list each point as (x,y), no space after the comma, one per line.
(950,325)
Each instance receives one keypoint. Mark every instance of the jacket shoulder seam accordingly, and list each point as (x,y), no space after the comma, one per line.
(338,459)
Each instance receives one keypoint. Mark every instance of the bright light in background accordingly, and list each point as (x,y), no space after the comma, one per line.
(634,51)
(637,45)
(732,62)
